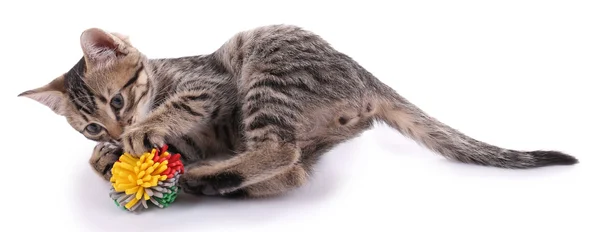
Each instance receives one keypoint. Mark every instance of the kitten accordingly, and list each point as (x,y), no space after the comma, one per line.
(271,100)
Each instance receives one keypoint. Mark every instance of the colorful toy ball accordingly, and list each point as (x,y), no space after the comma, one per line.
(151,177)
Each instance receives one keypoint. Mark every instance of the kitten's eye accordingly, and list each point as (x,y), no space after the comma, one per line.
(117,102)
(93,128)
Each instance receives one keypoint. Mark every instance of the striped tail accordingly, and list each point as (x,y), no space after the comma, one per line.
(412,122)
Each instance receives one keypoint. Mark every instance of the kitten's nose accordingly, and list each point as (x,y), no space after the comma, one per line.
(115,131)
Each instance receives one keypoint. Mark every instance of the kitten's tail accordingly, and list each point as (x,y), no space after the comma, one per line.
(412,122)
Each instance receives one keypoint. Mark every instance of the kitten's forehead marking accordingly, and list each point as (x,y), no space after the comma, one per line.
(114,78)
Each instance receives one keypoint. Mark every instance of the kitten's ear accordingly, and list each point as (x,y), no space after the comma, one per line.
(123,37)
(99,46)
(52,95)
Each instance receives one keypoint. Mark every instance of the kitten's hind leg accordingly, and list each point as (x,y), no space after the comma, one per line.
(292,178)
(257,165)
(282,183)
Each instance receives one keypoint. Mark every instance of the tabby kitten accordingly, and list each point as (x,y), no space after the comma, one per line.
(250,119)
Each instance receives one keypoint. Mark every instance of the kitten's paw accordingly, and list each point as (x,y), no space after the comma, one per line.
(104,156)
(137,141)
(222,184)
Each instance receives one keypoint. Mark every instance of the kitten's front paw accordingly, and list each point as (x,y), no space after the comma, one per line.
(138,140)
(104,156)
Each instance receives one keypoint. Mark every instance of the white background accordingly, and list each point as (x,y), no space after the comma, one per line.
(516,73)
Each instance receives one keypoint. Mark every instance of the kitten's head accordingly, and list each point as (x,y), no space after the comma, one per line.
(104,92)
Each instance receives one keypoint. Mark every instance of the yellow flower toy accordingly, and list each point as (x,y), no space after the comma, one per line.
(151,177)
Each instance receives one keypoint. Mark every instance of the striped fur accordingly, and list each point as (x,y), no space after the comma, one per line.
(251,118)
